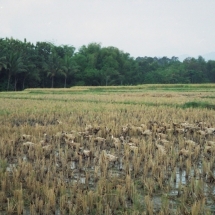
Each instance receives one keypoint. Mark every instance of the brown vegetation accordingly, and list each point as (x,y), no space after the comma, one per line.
(147,163)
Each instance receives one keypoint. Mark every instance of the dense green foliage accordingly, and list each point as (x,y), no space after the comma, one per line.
(25,65)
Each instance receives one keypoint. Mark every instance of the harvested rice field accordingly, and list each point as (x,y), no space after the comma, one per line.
(139,150)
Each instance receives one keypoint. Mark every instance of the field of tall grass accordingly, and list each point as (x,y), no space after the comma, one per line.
(145,149)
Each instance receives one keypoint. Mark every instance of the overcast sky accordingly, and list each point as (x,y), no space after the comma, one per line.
(139,27)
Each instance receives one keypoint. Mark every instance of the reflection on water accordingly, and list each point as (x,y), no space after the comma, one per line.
(24,158)
(82,180)
(11,167)
(73,165)
(182,181)
(169,198)
(180,178)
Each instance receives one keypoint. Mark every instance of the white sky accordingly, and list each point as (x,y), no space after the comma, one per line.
(139,27)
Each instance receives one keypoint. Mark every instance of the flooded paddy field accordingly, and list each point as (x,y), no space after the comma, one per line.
(109,151)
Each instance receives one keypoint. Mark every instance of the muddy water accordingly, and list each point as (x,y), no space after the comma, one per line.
(120,170)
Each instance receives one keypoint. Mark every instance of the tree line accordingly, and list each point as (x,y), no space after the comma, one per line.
(27,65)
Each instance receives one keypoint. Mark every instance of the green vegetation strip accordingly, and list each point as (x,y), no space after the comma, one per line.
(135,88)
(195,104)
(192,104)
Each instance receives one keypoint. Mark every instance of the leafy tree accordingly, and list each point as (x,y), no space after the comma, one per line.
(126,68)
(210,71)
(146,65)
(23,64)
(93,77)
(81,65)
(109,65)
(195,69)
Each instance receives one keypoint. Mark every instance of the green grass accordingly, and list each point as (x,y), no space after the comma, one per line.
(31,94)
(192,104)
(136,88)
(198,104)
(4,112)
(3,165)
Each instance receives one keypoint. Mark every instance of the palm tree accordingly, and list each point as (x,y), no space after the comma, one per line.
(14,66)
(52,66)
(31,72)
(29,57)
(3,48)
(3,63)
(68,67)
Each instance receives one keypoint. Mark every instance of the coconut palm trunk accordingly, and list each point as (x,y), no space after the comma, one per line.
(8,81)
(52,81)
(65,82)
